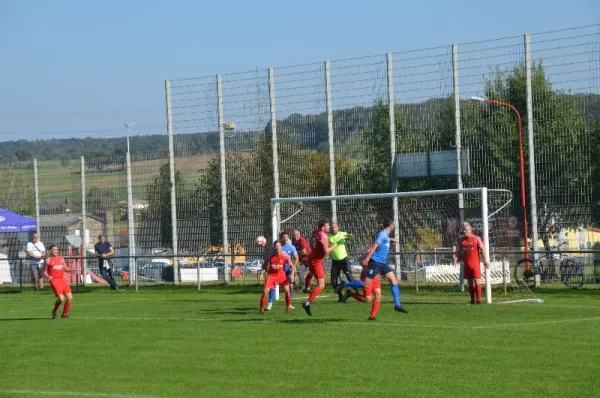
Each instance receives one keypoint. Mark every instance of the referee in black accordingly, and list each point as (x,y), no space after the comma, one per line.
(339,257)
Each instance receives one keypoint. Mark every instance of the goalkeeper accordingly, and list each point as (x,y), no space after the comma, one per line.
(339,257)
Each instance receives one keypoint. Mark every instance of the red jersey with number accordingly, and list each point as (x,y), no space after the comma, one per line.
(318,249)
(55,267)
(469,248)
(277,263)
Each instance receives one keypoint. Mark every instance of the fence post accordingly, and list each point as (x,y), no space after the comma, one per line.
(486,243)
(83,223)
(36,187)
(21,288)
(531,150)
(329,108)
(173,185)
(274,144)
(392,115)
(223,180)
(130,220)
(458,139)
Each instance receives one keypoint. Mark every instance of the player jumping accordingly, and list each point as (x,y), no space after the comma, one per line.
(468,251)
(316,258)
(55,272)
(274,266)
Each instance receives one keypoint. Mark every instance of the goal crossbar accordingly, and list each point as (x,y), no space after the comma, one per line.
(483,192)
(388,195)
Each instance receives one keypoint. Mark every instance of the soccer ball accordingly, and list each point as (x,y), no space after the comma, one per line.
(261,240)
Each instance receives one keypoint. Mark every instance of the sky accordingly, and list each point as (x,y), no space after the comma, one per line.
(81,68)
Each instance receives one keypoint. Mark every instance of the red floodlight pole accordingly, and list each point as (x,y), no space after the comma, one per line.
(521,166)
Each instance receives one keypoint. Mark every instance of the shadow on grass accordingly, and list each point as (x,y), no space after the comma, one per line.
(24,319)
(47,290)
(435,303)
(231,311)
(10,291)
(312,320)
(305,321)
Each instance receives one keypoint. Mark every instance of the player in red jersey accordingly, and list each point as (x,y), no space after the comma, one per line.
(275,266)
(468,251)
(373,288)
(303,249)
(316,258)
(55,272)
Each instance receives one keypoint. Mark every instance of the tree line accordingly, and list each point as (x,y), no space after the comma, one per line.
(566,146)
(567,142)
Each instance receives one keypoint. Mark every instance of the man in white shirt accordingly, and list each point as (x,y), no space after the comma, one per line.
(35,252)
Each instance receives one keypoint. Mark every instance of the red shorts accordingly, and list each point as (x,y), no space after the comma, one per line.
(472,272)
(375,284)
(316,268)
(60,286)
(273,279)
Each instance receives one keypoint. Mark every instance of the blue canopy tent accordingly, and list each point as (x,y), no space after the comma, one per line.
(19,227)
(13,222)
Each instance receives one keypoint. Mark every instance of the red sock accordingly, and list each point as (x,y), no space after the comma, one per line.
(356,296)
(288,300)
(56,305)
(315,292)
(374,309)
(66,308)
(472,292)
(263,302)
(478,292)
(307,281)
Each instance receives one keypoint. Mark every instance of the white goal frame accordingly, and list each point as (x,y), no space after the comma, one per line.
(483,192)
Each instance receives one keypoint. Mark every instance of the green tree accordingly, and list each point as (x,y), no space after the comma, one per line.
(303,171)
(100,201)
(65,159)
(563,173)
(120,156)
(595,170)
(23,154)
(156,222)
(375,171)
(16,190)
(97,159)
(245,196)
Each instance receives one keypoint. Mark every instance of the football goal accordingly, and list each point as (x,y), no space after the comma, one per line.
(427,227)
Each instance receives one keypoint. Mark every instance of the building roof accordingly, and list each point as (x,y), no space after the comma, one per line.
(62,220)
(137,203)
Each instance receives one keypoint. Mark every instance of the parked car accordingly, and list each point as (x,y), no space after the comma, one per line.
(254,266)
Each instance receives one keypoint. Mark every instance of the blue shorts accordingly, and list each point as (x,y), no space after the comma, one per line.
(376,268)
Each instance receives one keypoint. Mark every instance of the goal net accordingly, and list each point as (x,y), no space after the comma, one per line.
(427,226)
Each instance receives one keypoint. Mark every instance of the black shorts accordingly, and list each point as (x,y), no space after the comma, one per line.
(342,265)
(376,268)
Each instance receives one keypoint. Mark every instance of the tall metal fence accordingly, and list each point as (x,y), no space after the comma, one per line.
(236,140)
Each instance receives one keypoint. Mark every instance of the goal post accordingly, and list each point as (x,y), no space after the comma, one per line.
(426,218)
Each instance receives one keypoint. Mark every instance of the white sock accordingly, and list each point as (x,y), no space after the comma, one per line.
(307,303)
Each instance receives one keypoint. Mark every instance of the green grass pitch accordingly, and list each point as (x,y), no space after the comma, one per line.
(178,342)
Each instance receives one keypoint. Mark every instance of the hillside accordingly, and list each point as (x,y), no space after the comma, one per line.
(309,130)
